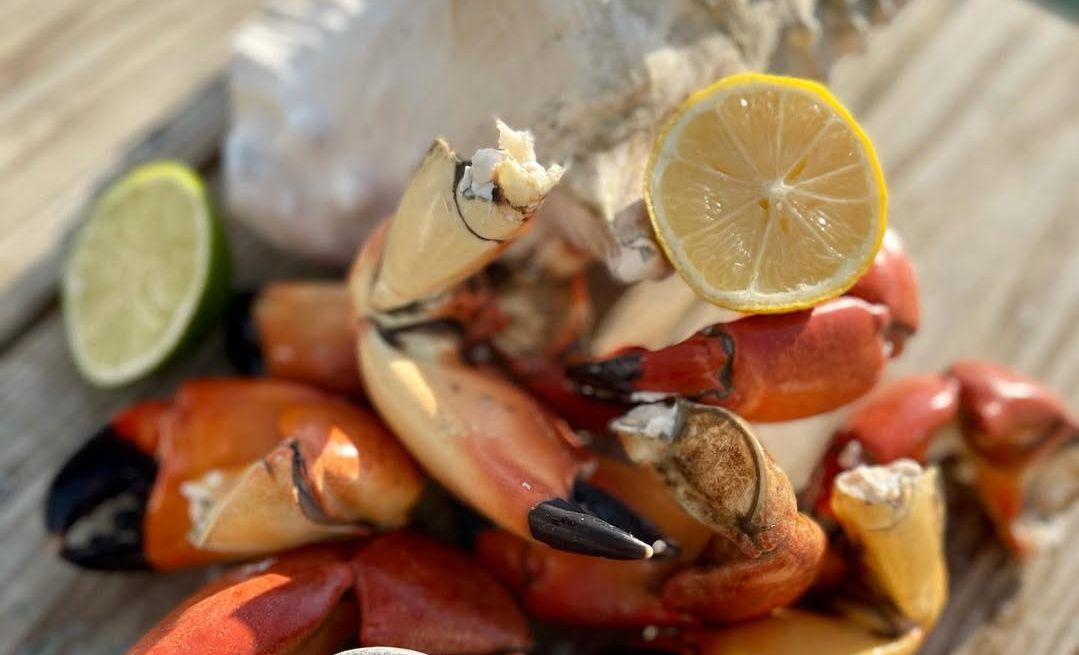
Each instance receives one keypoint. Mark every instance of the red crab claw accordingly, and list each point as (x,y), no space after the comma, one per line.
(125,500)
(766,368)
(775,367)
(302,331)
(398,589)
(1019,436)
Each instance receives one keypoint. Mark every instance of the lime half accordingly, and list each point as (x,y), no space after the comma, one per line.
(146,274)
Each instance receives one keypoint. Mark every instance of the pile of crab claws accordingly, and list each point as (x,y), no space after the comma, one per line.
(228,468)
(397,589)
(1017,436)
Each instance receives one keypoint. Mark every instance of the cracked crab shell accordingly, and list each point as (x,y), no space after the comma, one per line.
(334,101)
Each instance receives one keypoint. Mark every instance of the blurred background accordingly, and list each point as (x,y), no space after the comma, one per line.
(973,106)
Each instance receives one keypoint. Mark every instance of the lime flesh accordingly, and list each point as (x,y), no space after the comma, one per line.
(147,272)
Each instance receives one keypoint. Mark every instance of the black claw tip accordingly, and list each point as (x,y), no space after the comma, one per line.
(242,346)
(611,376)
(96,504)
(562,525)
(602,504)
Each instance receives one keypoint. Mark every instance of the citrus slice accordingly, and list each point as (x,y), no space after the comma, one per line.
(146,273)
(765,194)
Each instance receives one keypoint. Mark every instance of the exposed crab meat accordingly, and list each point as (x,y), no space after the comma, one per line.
(456,216)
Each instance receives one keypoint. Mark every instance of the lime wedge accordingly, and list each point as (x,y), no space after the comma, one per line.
(147,273)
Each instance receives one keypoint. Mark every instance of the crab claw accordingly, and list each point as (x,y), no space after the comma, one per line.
(772,367)
(765,554)
(338,472)
(397,590)
(127,498)
(766,367)
(301,331)
(493,446)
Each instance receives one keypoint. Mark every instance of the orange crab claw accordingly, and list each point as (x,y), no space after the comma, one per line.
(407,591)
(776,367)
(115,506)
(766,367)
(301,331)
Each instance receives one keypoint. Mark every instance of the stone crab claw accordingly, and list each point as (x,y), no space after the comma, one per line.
(487,441)
(296,330)
(228,468)
(395,590)
(1020,439)
(743,548)
(775,367)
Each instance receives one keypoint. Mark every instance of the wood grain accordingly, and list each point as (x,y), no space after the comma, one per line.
(79,83)
(975,111)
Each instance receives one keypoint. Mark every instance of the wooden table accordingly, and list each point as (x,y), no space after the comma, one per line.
(974,106)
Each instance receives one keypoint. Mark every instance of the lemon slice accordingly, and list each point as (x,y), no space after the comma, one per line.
(765,194)
(146,273)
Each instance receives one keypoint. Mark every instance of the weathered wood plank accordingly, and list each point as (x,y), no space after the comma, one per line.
(976,113)
(79,82)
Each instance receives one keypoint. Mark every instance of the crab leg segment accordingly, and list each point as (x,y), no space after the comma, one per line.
(397,590)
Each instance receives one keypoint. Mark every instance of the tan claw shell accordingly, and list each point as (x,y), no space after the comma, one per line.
(895,514)
(456,216)
(339,472)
